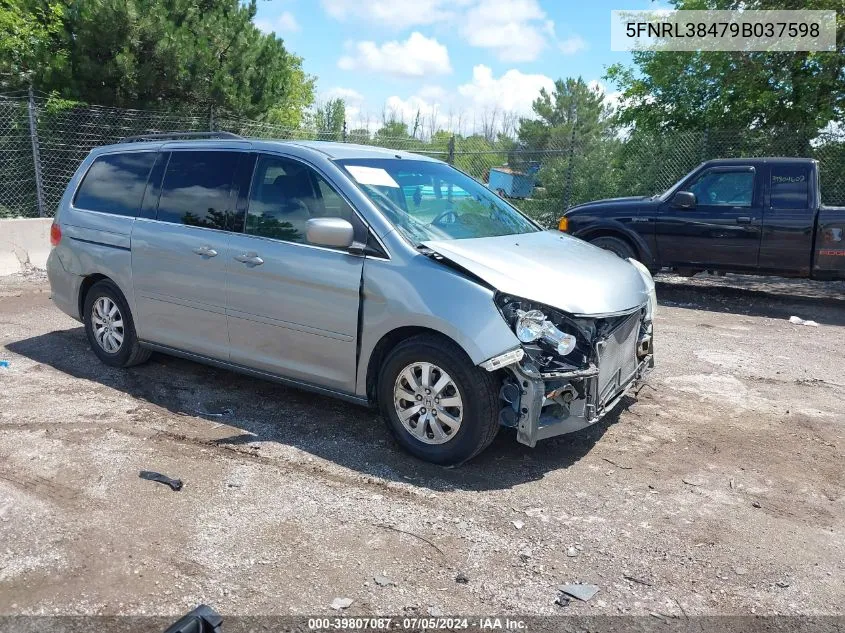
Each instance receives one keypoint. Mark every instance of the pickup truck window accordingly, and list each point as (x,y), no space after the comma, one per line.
(724,188)
(790,187)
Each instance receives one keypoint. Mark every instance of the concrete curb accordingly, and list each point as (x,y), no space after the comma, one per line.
(24,243)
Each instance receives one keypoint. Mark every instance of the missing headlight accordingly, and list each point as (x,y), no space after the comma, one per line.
(553,341)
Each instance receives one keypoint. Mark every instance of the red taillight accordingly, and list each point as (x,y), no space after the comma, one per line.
(55,234)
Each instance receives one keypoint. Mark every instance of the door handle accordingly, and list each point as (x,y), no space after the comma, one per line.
(250,259)
(205,251)
(744,219)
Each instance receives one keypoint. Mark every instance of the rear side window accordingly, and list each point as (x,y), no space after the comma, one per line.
(115,183)
(790,187)
(197,189)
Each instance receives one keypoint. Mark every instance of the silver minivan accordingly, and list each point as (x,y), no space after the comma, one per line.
(378,276)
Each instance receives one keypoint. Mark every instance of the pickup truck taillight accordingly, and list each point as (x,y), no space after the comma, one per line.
(55,234)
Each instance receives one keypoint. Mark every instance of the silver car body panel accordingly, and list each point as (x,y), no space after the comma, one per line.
(312,316)
(552,268)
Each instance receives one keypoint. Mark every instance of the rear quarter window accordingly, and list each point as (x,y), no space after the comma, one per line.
(790,187)
(115,183)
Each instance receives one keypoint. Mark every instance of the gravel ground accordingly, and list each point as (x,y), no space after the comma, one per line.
(719,489)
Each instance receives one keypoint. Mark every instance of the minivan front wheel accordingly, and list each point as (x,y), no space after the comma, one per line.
(438,405)
(110,328)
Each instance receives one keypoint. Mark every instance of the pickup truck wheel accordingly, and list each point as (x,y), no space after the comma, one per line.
(439,406)
(110,328)
(615,245)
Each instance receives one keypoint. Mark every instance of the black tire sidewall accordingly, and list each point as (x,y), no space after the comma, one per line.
(618,247)
(110,290)
(474,430)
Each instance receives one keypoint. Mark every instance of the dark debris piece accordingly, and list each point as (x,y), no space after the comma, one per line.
(149,475)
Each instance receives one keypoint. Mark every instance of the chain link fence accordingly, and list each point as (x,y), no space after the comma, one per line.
(42,141)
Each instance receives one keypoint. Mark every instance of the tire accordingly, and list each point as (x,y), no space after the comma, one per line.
(102,296)
(615,245)
(477,389)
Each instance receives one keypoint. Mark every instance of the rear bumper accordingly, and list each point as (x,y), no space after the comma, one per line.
(64,286)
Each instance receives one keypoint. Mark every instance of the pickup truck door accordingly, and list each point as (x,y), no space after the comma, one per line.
(789,218)
(723,229)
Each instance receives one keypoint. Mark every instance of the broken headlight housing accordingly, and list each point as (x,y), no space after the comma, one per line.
(552,340)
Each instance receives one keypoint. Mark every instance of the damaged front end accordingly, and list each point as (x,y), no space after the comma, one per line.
(569,371)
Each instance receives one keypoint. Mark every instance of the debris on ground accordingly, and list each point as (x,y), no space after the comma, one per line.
(461,578)
(756,504)
(782,584)
(518,524)
(4,364)
(149,475)
(799,321)
(562,600)
(639,581)
(383,581)
(693,481)
(341,603)
(572,552)
(579,591)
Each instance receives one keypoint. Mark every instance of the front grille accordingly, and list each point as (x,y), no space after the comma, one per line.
(617,356)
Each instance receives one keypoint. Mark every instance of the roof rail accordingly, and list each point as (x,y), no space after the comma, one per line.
(159,136)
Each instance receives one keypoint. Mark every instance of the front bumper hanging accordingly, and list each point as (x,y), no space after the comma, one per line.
(545,404)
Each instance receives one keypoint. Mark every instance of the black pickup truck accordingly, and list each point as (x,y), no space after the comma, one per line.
(756,215)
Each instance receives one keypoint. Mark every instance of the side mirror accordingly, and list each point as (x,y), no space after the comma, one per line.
(331,232)
(684,200)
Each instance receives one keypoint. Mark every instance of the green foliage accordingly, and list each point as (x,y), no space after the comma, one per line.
(801,92)
(28,41)
(153,54)
(329,120)
(574,135)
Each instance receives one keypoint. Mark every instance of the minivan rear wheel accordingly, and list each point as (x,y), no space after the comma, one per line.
(110,328)
(439,406)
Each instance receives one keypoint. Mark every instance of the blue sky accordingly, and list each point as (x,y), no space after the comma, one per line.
(455,61)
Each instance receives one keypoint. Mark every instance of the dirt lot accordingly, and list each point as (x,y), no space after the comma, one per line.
(718,490)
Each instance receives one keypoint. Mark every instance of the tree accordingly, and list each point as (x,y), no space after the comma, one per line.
(160,53)
(797,91)
(575,126)
(329,120)
(28,40)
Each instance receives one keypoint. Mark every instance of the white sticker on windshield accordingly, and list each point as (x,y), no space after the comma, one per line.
(371,176)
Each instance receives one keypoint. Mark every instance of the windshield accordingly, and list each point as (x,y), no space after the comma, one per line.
(433,201)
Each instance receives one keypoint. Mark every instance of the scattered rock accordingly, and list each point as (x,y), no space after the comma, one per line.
(578,591)
(525,554)
(461,578)
(518,524)
(740,571)
(562,600)
(383,581)
(782,584)
(756,504)
(572,552)
(435,612)
(693,481)
(341,603)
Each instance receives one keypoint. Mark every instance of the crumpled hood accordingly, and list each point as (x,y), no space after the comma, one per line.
(552,268)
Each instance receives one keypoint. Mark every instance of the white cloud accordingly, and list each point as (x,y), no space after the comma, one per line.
(393,13)
(514,91)
(418,56)
(515,30)
(285,23)
(572,45)
(347,94)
